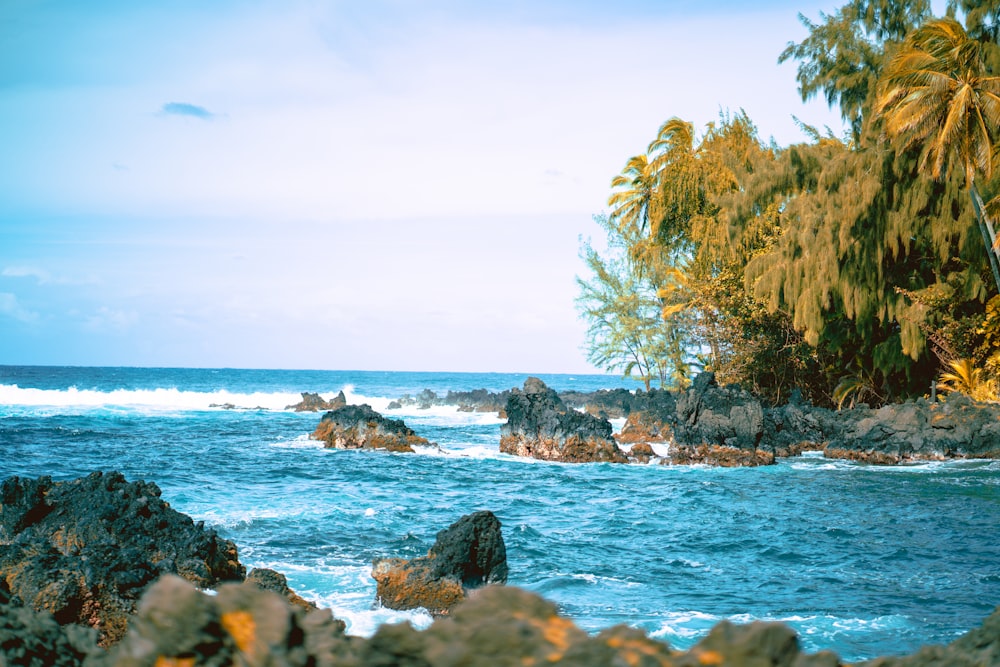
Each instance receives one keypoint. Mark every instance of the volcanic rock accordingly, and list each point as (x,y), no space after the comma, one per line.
(540,425)
(652,418)
(956,427)
(315,403)
(269,580)
(708,414)
(242,625)
(360,427)
(86,549)
(467,555)
(34,638)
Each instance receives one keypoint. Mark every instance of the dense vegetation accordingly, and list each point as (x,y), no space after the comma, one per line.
(854,268)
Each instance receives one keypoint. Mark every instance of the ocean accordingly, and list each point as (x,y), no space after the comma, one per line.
(862,560)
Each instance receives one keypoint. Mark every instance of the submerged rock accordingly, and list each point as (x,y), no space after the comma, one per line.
(539,425)
(85,550)
(315,403)
(360,427)
(467,555)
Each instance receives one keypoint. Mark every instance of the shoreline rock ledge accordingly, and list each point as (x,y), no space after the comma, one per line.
(467,555)
(85,550)
(539,425)
(360,427)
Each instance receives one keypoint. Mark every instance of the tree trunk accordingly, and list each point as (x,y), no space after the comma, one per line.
(989,236)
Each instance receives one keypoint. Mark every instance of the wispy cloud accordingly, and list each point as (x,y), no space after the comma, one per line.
(43,277)
(185,109)
(110,319)
(11,307)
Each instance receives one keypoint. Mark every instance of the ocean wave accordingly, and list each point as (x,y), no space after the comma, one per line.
(166,399)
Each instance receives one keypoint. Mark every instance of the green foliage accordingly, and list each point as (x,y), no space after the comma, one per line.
(782,267)
(620,303)
(964,377)
(844,53)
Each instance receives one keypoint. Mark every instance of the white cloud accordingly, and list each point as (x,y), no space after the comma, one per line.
(11,307)
(107,319)
(435,118)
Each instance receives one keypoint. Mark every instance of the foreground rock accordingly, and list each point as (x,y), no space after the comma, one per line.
(34,638)
(360,427)
(243,625)
(85,550)
(467,555)
(315,403)
(540,425)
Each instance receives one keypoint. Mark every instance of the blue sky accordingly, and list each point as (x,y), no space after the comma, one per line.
(395,185)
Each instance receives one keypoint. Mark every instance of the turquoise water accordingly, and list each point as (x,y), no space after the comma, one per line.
(862,560)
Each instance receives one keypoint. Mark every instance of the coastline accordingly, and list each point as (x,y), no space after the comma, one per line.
(671,550)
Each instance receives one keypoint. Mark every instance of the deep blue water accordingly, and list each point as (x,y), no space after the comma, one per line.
(862,560)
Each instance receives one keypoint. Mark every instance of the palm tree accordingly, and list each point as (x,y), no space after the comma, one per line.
(631,200)
(936,92)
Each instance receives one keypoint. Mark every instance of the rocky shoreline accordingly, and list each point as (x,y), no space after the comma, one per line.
(100,571)
(727,426)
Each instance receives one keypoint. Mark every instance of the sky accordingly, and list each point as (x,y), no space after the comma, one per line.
(378,185)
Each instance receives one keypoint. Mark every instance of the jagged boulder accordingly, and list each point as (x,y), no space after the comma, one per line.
(85,550)
(708,414)
(315,403)
(360,427)
(540,425)
(467,555)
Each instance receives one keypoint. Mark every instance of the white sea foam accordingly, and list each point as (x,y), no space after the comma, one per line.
(166,399)
(302,441)
(348,591)
(684,625)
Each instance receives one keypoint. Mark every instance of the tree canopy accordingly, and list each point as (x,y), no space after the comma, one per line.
(850,268)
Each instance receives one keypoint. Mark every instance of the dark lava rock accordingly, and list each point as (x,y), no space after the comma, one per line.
(652,418)
(178,626)
(956,427)
(360,427)
(315,403)
(467,555)
(708,414)
(269,580)
(540,425)
(86,549)
(35,639)
(607,403)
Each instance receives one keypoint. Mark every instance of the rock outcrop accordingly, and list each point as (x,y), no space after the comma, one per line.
(32,638)
(315,403)
(85,550)
(956,427)
(243,625)
(467,555)
(539,425)
(729,426)
(360,427)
